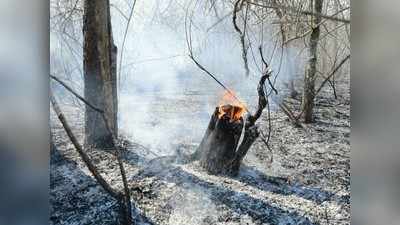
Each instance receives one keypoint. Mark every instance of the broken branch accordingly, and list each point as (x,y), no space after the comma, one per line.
(92,168)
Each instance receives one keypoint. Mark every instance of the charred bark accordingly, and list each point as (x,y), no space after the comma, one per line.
(250,135)
(310,74)
(220,151)
(99,63)
(219,143)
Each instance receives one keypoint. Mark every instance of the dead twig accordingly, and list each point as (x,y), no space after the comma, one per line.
(76,94)
(332,73)
(295,11)
(188,33)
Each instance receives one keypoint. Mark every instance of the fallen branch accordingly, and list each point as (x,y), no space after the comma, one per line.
(92,168)
(127,201)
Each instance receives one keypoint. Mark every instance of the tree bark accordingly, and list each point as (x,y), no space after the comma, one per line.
(310,74)
(217,149)
(99,63)
(220,151)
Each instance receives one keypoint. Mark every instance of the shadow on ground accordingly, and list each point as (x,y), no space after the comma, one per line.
(239,202)
(76,198)
(278,185)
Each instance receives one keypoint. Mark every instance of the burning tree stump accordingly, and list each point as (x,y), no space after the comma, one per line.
(220,151)
(217,149)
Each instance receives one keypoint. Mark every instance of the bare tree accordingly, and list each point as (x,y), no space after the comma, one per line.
(311,70)
(99,62)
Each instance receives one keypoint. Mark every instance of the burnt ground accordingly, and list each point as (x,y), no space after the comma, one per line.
(304,180)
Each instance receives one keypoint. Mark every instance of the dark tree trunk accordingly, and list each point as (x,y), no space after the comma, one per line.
(219,143)
(99,73)
(219,151)
(310,74)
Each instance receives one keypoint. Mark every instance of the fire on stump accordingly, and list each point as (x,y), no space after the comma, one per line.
(220,151)
(230,106)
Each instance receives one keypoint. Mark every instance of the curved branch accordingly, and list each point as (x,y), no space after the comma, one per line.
(266,69)
(242,34)
(262,100)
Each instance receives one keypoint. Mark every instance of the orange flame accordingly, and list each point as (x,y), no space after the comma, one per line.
(230,105)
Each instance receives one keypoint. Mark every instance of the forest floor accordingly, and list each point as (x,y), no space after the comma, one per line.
(304,180)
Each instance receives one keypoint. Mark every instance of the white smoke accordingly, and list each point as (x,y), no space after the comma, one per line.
(164,99)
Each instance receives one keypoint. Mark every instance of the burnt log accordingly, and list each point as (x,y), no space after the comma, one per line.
(217,149)
(221,151)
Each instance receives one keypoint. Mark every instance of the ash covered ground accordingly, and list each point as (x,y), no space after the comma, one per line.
(304,180)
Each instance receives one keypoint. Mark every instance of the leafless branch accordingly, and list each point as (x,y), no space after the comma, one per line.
(262,99)
(201,67)
(219,21)
(332,73)
(242,34)
(119,10)
(267,72)
(92,168)
(305,12)
(123,42)
(76,94)
(118,151)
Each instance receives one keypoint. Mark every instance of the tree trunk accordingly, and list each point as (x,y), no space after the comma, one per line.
(310,74)
(99,72)
(219,151)
(219,143)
